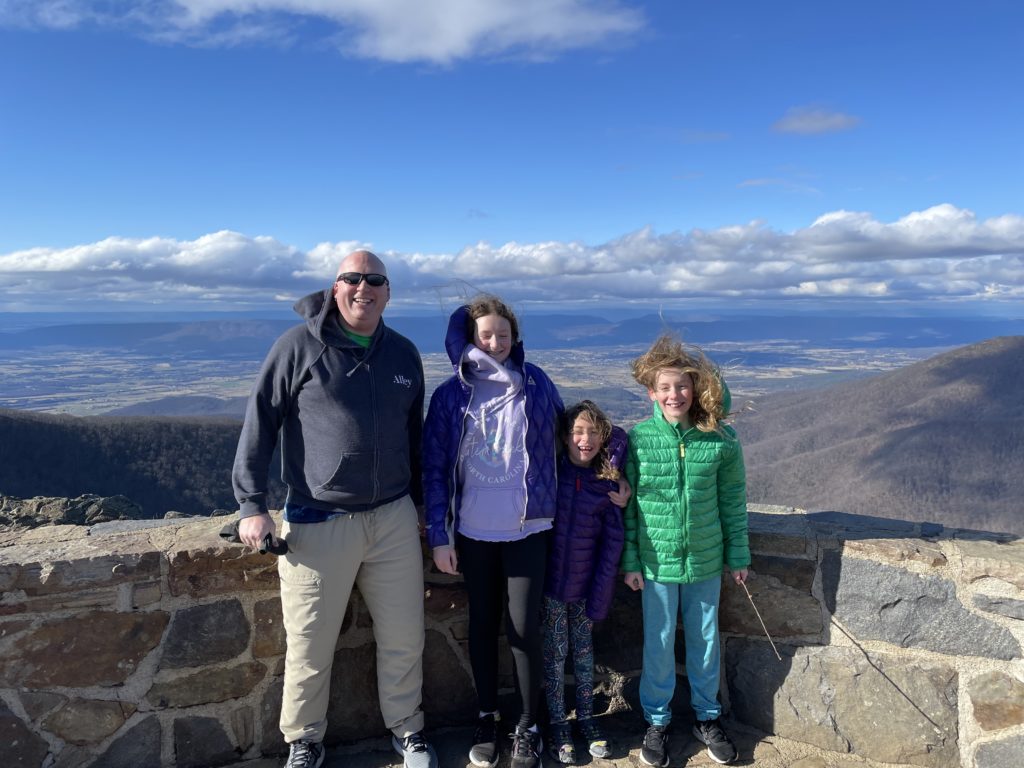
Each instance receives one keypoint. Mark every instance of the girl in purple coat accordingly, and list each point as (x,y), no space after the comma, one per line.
(582,568)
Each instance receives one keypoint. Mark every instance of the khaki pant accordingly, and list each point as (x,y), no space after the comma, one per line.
(380,552)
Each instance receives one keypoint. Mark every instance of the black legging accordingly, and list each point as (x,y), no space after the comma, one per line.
(491,569)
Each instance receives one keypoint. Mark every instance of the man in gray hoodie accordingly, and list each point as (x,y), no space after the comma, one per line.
(344,393)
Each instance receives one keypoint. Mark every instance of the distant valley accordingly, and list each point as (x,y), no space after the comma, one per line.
(854,415)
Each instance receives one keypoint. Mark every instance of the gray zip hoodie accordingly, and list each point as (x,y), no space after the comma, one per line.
(350,419)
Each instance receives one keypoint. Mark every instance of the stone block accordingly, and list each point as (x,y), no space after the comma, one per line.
(876,601)
(448,694)
(896,551)
(146,593)
(207,687)
(243,727)
(797,573)
(88,721)
(268,629)
(619,639)
(87,571)
(272,742)
(354,709)
(839,700)
(1003,560)
(200,742)
(9,629)
(9,573)
(445,601)
(22,748)
(97,648)
(1005,753)
(997,700)
(1004,606)
(206,634)
(38,703)
(217,570)
(786,612)
(138,746)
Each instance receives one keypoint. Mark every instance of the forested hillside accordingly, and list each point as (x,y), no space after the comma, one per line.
(161,463)
(941,440)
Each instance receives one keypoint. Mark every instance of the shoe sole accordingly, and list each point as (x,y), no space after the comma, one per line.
(697,736)
(662,764)
(482,764)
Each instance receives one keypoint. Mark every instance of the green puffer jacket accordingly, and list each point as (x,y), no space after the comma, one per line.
(688,512)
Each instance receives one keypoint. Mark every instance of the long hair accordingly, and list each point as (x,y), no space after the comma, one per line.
(708,408)
(588,409)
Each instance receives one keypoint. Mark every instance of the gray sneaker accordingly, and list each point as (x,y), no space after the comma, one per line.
(416,752)
(305,754)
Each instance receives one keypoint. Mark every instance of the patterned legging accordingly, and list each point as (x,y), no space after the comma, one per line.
(566,623)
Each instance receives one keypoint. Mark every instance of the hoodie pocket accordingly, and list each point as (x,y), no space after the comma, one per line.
(362,478)
(351,479)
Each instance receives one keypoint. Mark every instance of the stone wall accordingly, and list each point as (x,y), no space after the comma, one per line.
(154,643)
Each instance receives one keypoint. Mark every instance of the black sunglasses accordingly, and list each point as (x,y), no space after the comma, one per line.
(355,278)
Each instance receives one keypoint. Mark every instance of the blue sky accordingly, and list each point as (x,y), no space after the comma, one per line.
(225,154)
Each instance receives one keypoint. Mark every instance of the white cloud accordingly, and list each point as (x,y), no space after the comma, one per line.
(943,252)
(814,120)
(441,31)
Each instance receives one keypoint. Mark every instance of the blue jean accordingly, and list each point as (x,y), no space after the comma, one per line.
(661,606)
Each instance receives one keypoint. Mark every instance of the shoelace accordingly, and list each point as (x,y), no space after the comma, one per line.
(712,732)
(654,738)
(301,754)
(524,744)
(414,743)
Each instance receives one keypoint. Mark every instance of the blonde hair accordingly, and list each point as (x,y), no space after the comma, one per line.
(668,352)
(487,304)
(588,409)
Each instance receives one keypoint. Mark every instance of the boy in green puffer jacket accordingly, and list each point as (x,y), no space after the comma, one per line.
(686,520)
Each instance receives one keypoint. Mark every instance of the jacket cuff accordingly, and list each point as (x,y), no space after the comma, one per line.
(250,508)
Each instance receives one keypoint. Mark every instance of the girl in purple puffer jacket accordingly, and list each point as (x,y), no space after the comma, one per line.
(582,568)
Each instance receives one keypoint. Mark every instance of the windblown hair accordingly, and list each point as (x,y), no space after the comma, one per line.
(708,408)
(588,409)
(487,304)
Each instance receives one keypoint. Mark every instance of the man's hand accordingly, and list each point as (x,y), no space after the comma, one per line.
(446,560)
(634,580)
(740,576)
(620,498)
(252,530)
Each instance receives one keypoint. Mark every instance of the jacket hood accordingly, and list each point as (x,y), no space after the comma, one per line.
(324,321)
(457,337)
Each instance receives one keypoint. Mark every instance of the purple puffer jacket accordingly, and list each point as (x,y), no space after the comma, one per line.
(443,429)
(583,562)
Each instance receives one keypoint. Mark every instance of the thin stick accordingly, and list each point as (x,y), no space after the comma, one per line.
(758,613)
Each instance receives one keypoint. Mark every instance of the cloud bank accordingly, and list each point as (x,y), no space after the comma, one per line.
(943,253)
(440,32)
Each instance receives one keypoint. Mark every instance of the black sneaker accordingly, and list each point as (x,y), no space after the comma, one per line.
(560,745)
(655,748)
(526,748)
(710,733)
(305,754)
(484,751)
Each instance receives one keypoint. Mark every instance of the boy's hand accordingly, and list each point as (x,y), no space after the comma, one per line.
(620,498)
(446,560)
(634,580)
(740,576)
